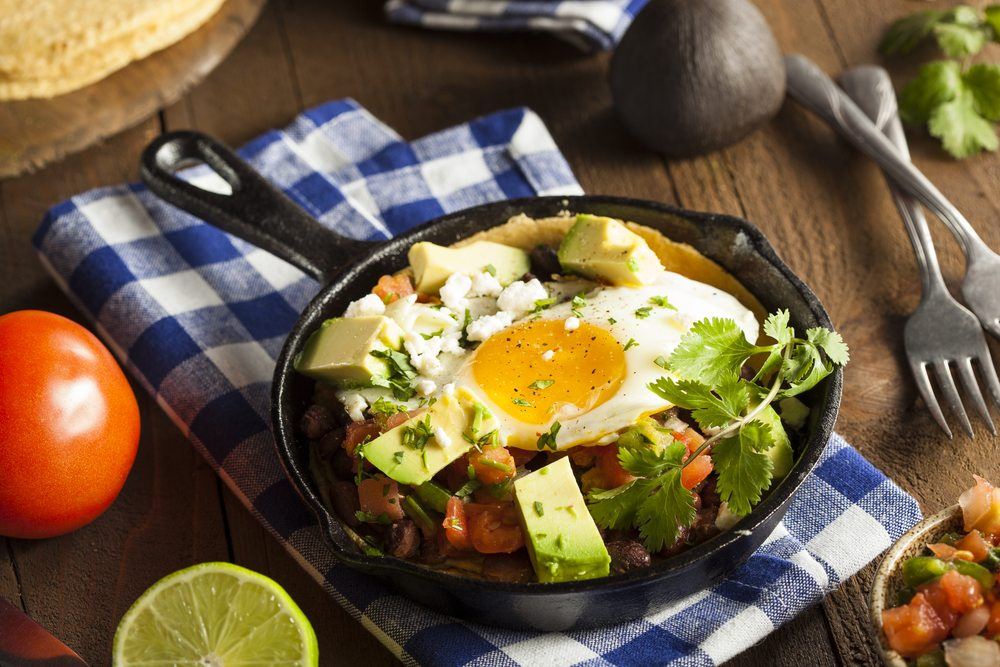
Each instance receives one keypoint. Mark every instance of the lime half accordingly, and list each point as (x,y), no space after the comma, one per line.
(215,615)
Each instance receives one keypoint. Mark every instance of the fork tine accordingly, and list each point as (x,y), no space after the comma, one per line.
(951,396)
(971,386)
(993,327)
(927,393)
(989,374)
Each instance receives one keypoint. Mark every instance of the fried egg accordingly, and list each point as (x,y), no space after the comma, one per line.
(587,366)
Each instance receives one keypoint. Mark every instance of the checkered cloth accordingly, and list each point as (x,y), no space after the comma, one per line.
(199,317)
(590,24)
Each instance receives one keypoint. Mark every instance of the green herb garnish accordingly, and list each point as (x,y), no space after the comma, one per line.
(643,313)
(541,384)
(548,439)
(662,302)
(630,344)
(522,402)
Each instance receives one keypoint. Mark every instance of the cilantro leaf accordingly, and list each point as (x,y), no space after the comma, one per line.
(992,19)
(712,351)
(616,508)
(962,131)
(960,39)
(936,83)
(983,81)
(775,326)
(743,467)
(905,34)
(660,516)
(645,461)
(710,409)
(831,343)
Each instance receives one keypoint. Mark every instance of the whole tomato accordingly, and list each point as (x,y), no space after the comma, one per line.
(69,425)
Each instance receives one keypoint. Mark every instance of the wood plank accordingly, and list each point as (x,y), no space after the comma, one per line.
(168,514)
(236,105)
(37,131)
(10,588)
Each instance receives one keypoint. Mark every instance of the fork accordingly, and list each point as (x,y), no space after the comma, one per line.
(941,333)
(981,287)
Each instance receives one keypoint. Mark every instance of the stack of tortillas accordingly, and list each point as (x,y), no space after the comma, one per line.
(49,47)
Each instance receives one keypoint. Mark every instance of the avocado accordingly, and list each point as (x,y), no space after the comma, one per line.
(691,77)
(563,541)
(412,453)
(605,249)
(781,453)
(793,412)
(340,350)
(432,263)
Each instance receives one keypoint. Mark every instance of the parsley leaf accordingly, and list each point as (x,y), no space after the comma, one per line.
(962,131)
(548,439)
(712,351)
(632,342)
(542,304)
(905,34)
(662,302)
(962,34)
(643,313)
(983,81)
(667,508)
(522,402)
(577,303)
(400,374)
(541,384)
(711,409)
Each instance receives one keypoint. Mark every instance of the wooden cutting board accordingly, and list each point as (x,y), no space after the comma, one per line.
(35,132)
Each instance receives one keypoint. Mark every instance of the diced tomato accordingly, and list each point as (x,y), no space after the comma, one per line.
(974,544)
(964,593)
(981,507)
(494,528)
(390,288)
(949,553)
(938,599)
(493,465)
(358,432)
(690,437)
(611,468)
(695,472)
(583,456)
(522,456)
(456,529)
(993,627)
(380,495)
(913,629)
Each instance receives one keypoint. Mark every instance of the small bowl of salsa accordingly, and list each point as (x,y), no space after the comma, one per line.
(935,601)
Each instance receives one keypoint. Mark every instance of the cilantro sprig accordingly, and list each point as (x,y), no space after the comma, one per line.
(706,379)
(959,102)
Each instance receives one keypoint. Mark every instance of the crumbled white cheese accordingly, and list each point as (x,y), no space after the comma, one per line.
(572,323)
(450,342)
(519,297)
(485,284)
(486,326)
(367,306)
(547,355)
(448,389)
(454,291)
(355,405)
(426,387)
(442,437)
(426,364)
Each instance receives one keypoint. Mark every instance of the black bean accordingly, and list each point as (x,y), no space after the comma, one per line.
(317,421)
(432,553)
(627,555)
(344,498)
(544,262)
(510,568)
(403,539)
(679,545)
(342,464)
(331,443)
(704,525)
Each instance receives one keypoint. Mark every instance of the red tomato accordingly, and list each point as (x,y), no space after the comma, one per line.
(493,465)
(964,593)
(69,425)
(913,629)
(380,495)
(359,432)
(974,544)
(690,437)
(695,472)
(390,288)
(456,529)
(612,472)
(494,529)
(993,627)
(937,598)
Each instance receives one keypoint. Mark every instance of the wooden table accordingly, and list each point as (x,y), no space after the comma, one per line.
(823,206)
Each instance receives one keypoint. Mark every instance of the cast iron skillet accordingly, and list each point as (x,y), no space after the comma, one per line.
(258,213)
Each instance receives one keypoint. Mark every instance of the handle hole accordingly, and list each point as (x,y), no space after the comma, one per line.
(207,178)
(213,174)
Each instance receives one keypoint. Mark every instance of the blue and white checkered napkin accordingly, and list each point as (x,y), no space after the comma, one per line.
(590,24)
(199,317)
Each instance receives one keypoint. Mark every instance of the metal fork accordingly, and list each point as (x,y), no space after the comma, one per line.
(941,333)
(981,288)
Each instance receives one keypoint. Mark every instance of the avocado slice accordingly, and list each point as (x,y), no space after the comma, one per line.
(563,541)
(340,350)
(781,453)
(410,456)
(604,249)
(432,263)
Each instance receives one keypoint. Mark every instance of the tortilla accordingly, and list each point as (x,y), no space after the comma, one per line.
(526,233)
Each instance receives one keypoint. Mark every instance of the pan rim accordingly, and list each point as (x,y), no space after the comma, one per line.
(775,501)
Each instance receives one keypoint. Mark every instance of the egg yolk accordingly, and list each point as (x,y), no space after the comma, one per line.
(585,368)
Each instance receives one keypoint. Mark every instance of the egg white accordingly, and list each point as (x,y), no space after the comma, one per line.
(614,310)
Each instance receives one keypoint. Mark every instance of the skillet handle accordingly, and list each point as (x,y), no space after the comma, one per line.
(256,211)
